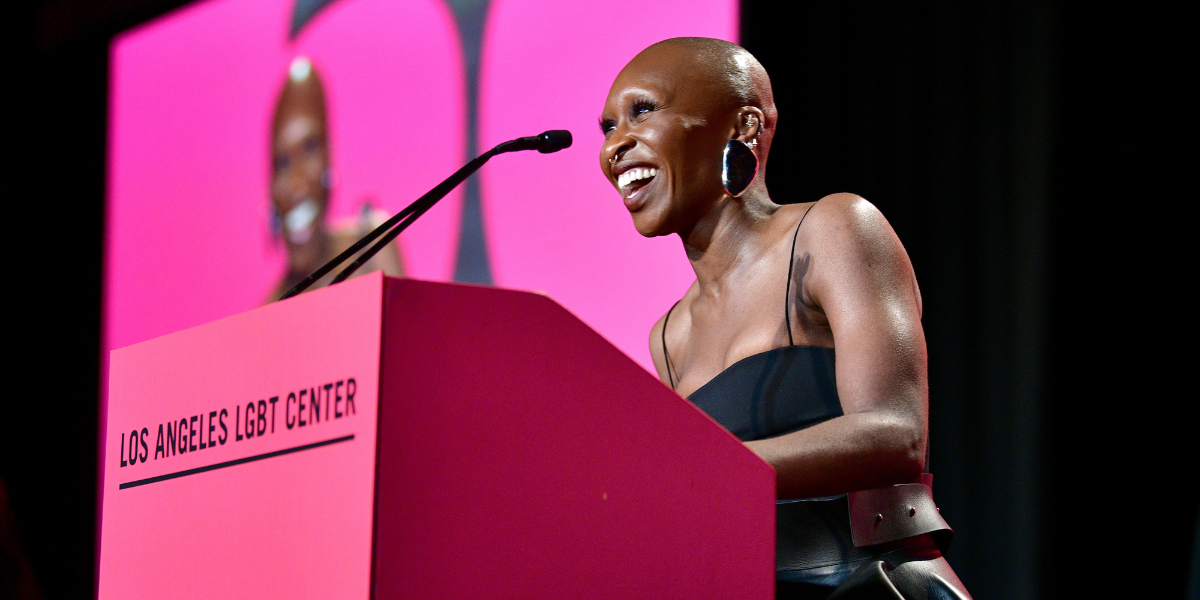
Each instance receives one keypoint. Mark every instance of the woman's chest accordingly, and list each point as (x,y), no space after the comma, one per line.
(714,340)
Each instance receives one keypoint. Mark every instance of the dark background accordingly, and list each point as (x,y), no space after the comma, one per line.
(1031,156)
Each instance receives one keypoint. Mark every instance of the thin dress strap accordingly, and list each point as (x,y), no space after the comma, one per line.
(667,357)
(787,299)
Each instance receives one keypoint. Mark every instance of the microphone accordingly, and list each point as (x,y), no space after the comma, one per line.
(549,141)
(554,140)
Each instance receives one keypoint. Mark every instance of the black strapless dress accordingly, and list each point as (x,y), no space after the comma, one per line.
(841,546)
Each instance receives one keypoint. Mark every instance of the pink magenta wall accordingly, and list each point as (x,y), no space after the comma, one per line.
(559,226)
(192,94)
(192,97)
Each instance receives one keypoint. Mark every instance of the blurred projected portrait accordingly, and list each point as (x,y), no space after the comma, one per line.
(301,180)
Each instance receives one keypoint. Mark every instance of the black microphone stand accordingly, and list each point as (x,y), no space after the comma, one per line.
(547,142)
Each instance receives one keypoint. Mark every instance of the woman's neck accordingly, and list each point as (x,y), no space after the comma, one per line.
(727,236)
(318,251)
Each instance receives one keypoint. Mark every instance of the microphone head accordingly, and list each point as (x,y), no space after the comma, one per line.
(554,140)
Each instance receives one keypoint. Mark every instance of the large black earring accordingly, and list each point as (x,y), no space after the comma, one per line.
(739,166)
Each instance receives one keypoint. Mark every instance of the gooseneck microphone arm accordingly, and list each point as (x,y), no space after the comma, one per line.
(547,142)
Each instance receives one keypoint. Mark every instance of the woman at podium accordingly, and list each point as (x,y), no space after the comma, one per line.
(802,332)
(301,179)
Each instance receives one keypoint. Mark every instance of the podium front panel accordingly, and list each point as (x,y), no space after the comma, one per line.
(224,478)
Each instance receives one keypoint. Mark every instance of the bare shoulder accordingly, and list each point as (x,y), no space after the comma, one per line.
(387,260)
(844,214)
(347,230)
(344,236)
(675,315)
(854,245)
(656,347)
(846,225)
(660,337)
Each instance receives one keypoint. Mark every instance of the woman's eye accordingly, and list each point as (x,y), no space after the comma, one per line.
(641,107)
(607,125)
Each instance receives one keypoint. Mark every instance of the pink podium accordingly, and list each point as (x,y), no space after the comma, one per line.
(391,438)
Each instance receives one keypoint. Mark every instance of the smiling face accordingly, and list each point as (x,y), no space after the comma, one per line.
(662,140)
(666,121)
(299,167)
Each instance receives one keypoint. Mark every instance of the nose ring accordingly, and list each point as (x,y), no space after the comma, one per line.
(613,160)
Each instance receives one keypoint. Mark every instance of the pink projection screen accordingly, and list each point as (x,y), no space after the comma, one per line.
(193,234)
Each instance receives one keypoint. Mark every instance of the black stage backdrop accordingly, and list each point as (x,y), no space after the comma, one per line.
(1027,154)
(940,116)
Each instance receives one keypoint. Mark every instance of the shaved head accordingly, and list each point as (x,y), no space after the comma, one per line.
(302,93)
(667,121)
(723,68)
(729,65)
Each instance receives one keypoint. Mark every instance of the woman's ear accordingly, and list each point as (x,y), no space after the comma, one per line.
(750,121)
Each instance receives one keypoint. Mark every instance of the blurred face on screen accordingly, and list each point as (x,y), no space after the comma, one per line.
(300,167)
(665,127)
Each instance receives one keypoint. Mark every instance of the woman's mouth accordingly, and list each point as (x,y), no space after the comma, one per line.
(300,222)
(632,182)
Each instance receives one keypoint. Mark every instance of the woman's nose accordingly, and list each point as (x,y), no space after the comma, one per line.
(290,188)
(616,147)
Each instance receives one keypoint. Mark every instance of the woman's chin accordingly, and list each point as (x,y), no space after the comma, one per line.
(304,259)
(650,224)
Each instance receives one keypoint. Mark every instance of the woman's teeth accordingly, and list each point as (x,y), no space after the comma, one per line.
(298,222)
(627,178)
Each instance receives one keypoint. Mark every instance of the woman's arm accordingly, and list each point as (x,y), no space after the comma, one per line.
(859,277)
